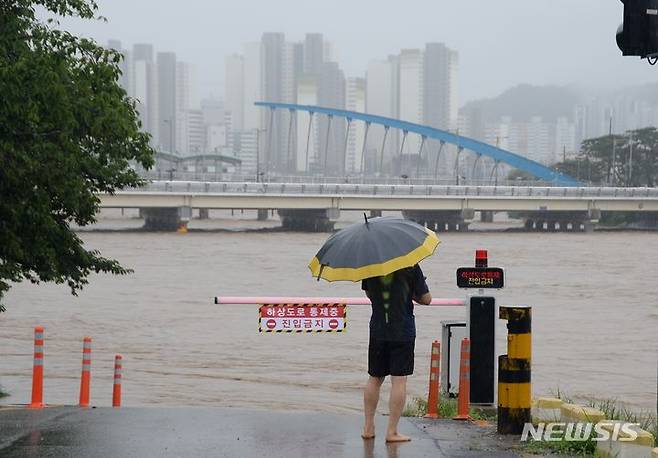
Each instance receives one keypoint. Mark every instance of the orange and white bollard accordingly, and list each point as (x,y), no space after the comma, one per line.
(37,370)
(463,402)
(433,408)
(118,372)
(85,378)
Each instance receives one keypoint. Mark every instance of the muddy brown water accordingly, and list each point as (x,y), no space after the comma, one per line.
(595,319)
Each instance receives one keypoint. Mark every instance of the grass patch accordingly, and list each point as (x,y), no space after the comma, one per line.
(447,409)
(613,410)
(586,448)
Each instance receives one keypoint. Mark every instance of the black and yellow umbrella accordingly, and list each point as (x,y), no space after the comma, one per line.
(376,247)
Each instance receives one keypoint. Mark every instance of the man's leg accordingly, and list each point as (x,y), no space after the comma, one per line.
(396,405)
(370,400)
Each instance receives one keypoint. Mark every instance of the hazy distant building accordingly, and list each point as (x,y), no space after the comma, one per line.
(144,86)
(234,89)
(143,51)
(272,81)
(411,95)
(253,91)
(565,140)
(213,111)
(293,69)
(166,64)
(186,96)
(191,136)
(247,151)
(313,53)
(440,104)
(307,131)
(331,94)
(355,101)
(382,99)
(215,137)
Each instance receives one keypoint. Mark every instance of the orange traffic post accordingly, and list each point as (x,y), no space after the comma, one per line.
(433,396)
(37,370)
(85,378)
(463,402)
(118,372)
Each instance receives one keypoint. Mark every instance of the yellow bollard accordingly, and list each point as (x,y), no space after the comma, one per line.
(514,369)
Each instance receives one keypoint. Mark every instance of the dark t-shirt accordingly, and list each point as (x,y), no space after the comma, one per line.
(392,303)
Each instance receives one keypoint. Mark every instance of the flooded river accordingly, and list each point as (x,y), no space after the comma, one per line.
(595,320)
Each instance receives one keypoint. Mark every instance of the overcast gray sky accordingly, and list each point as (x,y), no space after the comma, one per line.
(501,42)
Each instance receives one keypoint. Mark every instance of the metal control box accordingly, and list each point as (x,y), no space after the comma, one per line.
(452,333)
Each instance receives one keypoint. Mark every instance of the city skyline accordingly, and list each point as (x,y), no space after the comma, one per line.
(418,85)
(502,44)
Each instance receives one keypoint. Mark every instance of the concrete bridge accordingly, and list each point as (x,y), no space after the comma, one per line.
(314,207)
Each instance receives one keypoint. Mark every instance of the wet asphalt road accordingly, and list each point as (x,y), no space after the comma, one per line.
(212,432)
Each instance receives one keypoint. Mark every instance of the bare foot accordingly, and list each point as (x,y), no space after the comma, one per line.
(397,437)
(368,433)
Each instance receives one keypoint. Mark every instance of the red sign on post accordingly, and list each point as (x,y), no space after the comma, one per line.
(302,318)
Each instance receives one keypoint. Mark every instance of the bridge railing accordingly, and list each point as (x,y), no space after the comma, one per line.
(311,179)
(385,190)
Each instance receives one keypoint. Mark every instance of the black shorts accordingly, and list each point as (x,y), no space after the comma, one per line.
(390,358)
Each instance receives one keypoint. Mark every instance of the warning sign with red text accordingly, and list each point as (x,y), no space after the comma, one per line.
(290,318)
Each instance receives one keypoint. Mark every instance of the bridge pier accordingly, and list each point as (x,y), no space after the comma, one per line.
(262,214)
(441,220)
(166,218)
(486,216)
(560,221)
(309,220)
(648,220)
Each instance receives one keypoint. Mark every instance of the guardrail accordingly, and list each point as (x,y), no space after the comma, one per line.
(393,190)
(218,177)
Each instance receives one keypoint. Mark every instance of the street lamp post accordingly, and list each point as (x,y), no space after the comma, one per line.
(258,172)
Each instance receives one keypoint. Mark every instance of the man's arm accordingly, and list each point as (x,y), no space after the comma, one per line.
(364,287)
(425,299)
(422,293)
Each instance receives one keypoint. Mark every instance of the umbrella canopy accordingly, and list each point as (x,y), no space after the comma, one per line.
(375,248)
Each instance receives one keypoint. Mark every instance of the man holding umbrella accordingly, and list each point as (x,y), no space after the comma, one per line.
(383,254)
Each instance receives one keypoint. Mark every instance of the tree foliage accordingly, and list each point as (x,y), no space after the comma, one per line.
(630,159)
(67,132)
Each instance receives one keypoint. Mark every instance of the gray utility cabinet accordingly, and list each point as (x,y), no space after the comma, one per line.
(452,334)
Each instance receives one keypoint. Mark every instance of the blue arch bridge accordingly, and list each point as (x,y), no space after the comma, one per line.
(480,149)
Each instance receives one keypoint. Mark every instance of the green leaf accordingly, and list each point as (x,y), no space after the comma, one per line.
(67,132)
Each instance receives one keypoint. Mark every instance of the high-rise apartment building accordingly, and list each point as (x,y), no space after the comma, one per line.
(411,98)
(307,131)
(331,94)
(186,96)
(253,91)
(234,90)
(166,65)
(355,101)
(382,99)
(313,53)
(191,133)
(440,104)
(272,83)
(144,86)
